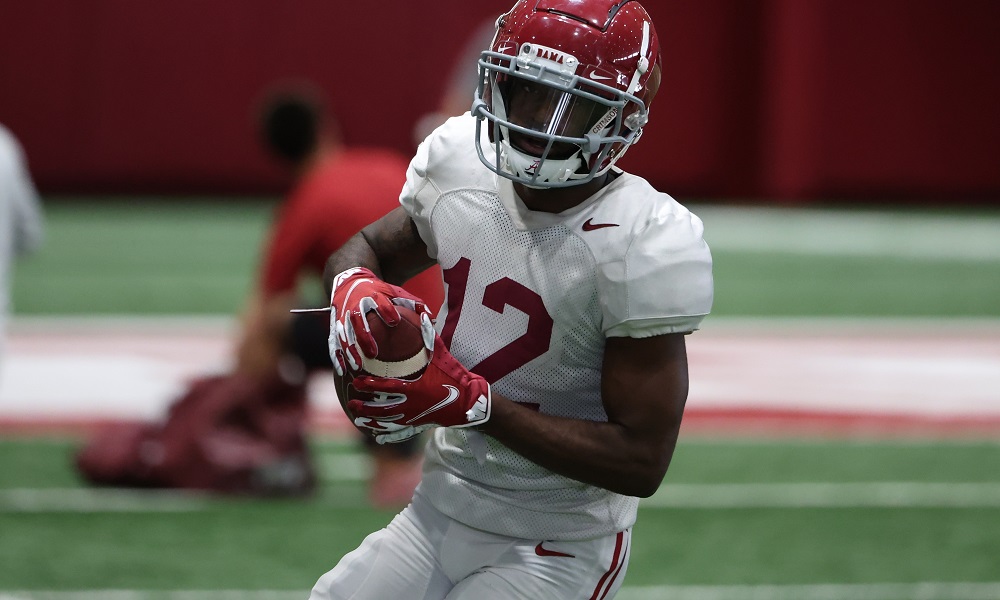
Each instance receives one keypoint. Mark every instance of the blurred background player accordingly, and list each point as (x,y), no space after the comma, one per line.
(339,190)
(259,408)
(21,221)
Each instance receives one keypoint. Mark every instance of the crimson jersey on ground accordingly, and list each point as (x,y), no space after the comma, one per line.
(330,204)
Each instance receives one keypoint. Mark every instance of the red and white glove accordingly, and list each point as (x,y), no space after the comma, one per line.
(445,394)
(356,292)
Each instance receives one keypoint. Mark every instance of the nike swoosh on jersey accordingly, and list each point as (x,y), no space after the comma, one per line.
(451,397)
(589,225)
(542,551)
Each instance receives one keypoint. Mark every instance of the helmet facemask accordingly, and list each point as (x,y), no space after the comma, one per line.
(548,125)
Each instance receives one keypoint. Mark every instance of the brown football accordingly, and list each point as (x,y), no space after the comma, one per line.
(401,354)
(401,351)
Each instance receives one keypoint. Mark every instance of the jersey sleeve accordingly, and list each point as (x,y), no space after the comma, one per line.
(419,194)
(444,161)
(664,282)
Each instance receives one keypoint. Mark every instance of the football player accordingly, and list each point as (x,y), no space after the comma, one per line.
(559,374)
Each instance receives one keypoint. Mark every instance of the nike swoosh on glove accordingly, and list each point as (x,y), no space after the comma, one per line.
(356,292)
(445,394)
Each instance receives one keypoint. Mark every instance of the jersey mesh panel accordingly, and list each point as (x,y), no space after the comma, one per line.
(517,495)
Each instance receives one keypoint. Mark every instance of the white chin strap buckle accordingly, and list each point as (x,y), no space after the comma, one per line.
(536,172)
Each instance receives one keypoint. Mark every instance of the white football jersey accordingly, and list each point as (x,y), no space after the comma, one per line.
(531,298)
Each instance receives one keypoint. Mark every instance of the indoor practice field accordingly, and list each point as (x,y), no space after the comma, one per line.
(841,439)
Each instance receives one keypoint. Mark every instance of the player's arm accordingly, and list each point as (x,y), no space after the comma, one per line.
(264,324)
(390,247)
(265,319)
(392,250)
(644,388)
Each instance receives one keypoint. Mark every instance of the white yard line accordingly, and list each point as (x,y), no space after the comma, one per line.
(883,494)
(921,590)
(920,236)
(91,500)
(683,496)
(924,590)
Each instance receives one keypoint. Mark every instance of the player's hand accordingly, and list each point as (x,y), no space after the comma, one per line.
(356,292)
(445,394)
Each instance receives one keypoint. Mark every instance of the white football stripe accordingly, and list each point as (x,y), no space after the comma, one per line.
(399,368)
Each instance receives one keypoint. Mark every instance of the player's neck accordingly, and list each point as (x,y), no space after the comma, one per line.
(556,200)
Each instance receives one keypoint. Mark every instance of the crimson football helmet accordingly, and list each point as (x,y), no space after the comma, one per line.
(565,89)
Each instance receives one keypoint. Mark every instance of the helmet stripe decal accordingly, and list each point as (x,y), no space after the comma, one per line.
(643,65)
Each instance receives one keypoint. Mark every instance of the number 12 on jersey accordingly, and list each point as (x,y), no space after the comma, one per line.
(497,296)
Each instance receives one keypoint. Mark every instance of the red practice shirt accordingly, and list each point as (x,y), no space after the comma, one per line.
(336,199)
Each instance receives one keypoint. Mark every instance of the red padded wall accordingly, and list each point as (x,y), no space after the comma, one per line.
(788,99)
(882,99)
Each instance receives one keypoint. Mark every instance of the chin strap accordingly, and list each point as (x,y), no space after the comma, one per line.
(547,170)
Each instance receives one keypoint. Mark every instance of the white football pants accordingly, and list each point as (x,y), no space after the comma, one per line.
(424,555)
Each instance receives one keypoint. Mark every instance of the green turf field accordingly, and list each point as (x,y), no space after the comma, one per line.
(738,519)
(143,257)
(148,256)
